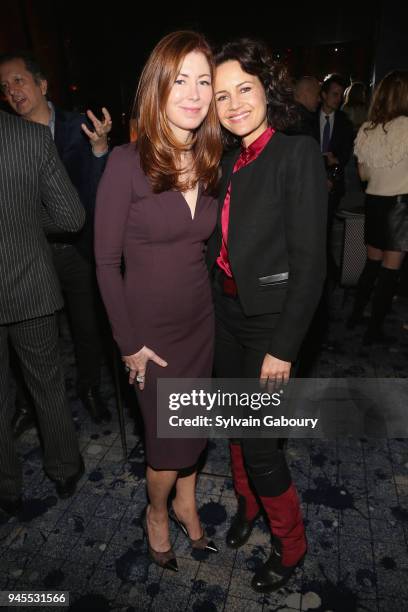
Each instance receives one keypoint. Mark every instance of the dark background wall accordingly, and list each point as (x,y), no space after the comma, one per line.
(93,53)
(391,50)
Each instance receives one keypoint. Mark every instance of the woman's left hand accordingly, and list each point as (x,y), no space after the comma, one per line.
(274,371)
(99,137)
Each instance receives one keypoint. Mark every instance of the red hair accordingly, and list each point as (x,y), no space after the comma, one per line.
(159,149)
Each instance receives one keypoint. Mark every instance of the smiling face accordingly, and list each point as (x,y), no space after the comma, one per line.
(24,94)
(190,96)
(241,102)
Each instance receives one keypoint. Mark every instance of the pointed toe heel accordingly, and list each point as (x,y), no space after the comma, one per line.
(160,559)
(202,543)
(166,559)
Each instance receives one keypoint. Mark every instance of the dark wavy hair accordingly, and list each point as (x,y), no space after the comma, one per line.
(255,58)
(31,64)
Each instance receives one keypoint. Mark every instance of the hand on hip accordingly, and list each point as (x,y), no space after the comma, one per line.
(136,365)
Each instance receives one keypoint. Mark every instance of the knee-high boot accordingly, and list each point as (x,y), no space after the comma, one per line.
(288,540)
(248,506)
(382,300)
(364,290)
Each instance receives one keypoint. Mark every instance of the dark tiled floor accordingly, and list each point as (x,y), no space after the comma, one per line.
(354,494)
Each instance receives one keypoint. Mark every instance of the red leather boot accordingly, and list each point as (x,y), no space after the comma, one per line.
(288,544)
(248,506)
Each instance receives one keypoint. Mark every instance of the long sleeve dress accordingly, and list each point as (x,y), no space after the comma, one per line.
(163,300)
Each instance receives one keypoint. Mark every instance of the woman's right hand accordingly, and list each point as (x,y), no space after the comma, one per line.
(137,365)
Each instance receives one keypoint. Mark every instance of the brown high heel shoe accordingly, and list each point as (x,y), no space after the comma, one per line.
(165,559)
(202,543)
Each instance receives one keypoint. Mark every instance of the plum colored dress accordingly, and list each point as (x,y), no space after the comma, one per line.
(163,300)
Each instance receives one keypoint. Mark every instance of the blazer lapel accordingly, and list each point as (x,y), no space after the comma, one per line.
(246,196)
(227,166)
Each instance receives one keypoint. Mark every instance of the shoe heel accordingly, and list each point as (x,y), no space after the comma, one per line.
(166,559)
(202,543)
(180,525)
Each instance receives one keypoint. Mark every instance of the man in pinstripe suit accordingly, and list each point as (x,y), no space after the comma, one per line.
(82,145)
(33,185)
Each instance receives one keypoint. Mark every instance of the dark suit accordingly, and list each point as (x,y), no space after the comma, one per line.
(32,178)
(342,137)
(84,169)
(73,255)
(341,145)
(276,249)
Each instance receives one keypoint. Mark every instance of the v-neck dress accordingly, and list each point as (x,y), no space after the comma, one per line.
(163,300)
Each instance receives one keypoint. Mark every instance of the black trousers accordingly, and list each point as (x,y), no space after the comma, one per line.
(77,278)
(36,344)
(241,344)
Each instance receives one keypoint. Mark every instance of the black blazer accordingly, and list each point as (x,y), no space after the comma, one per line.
(84,170)
(277,235)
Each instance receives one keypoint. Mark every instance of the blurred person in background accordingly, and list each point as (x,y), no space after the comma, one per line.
(335,137)
(307,95)
(355,104)
(335,132)
(381,148)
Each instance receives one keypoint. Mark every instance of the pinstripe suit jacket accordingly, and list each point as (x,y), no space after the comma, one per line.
(32,178)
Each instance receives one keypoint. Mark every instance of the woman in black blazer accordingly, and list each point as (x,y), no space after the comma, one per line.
(268,262)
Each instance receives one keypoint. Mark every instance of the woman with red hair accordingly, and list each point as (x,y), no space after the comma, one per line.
(155,209)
